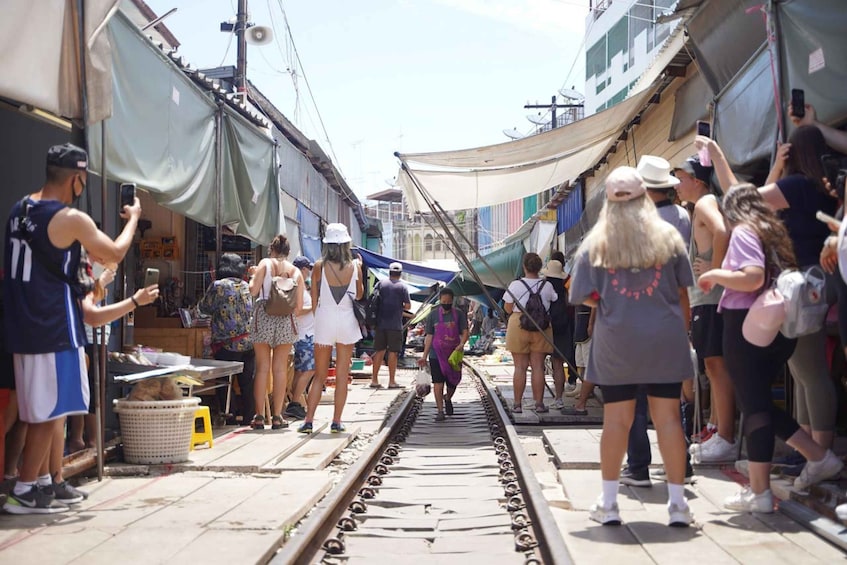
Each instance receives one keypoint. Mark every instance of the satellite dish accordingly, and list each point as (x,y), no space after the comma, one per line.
(571,94)
(538,119)
(513,133)
(259,35)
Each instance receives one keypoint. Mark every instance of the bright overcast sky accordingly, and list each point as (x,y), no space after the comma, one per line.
(398,75)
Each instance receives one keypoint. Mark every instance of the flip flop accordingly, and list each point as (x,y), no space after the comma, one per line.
(375,386)
(540,408)
(394,386)
(568,411)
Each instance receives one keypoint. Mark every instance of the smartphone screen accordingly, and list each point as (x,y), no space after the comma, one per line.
(127,194)
(151,277)
(703,128)
(798,102)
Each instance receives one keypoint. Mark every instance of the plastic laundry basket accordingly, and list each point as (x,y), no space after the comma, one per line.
(156,431)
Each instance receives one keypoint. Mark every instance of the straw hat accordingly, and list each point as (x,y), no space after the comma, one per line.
(553,270)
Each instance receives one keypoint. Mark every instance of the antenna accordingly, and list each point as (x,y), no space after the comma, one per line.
(537,119)
(513,133)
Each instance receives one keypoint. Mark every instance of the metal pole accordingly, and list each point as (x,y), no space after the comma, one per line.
(99,394)
(241,61)
(218,182)
(553,123)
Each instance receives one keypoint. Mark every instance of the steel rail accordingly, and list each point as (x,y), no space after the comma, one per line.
(551,544)
(309,539)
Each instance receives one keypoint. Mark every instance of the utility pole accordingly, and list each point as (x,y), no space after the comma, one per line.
(240,32)
(553,106)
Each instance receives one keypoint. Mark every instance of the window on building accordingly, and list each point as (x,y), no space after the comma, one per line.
(618,40)
(428,242)
(438,244)
(595,59)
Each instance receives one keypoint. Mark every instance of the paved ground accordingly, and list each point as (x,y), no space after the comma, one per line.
(235,502)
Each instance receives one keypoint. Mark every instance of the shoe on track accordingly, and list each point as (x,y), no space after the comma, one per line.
(67,493)
(337,427)
(817,471)
(631,479)
(607,516)
(305,428)
(746,501)
(448,406)
(679,517)
(34,501)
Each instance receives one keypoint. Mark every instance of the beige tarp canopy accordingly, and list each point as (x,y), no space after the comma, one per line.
(40,63)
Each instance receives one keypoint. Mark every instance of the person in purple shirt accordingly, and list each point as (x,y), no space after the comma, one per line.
(759,248)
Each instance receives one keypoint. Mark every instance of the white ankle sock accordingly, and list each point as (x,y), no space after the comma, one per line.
(676,495)
(45,480)
(610,493)
(22,487)
(10,477)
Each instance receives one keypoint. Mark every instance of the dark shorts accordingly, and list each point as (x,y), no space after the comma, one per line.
(304,354)
(391,340)
(437,375)
(707,331)
(7,371)
(621,393)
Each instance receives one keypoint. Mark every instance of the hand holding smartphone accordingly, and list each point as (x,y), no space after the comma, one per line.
(127,194)
(798,103)
(151,277)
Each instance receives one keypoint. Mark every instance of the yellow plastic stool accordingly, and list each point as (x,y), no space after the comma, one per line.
(205,436)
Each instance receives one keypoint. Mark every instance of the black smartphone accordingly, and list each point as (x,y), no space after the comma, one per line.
(703,128)
(127,194)
(830,164)
(798,102)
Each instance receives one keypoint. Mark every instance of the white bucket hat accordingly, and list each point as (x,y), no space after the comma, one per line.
(337,233)
(656,172)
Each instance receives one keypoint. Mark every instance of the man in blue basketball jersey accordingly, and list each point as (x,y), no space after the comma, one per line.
(44,320)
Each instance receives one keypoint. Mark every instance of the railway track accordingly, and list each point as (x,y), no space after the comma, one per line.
(459,491)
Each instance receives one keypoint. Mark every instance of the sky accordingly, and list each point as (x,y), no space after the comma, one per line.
(396,75)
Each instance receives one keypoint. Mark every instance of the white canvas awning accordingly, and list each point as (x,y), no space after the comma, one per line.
(40,62)
(499,173)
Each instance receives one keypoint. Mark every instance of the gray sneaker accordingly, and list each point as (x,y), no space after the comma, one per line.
(67,493)
(37,500)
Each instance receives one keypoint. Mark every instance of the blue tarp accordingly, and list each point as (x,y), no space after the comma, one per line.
(376,261)
(310,232)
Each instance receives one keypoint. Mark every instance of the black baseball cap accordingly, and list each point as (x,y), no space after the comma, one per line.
(693,167)
(67,156)
(302,261)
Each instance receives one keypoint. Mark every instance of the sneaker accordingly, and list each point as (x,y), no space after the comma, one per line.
(67,493)
(746,501)
(258,422)
(277,423)
(841,512)
(607,516)
(557,404)
(305,428)
(295,411)
(703,435)
(572,391)
(448,406)
(337,428)
(660,475)
(679,516)
(37,500)
(716,450)
(635,479)
(570,388)
(817,471)
(440,417)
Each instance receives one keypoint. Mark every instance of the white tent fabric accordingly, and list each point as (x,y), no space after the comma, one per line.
(500,173)
(40,63)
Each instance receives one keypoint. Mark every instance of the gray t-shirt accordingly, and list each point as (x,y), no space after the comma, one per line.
(392,296)
(677,216)
(639,334)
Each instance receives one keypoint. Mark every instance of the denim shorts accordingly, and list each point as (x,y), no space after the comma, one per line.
(304,354)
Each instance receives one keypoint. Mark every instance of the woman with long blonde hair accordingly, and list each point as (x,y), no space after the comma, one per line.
(633,267)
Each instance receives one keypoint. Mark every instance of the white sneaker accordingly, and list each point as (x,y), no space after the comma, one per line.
(679,517)
(746,501)
(715,450)
(608,516)
(557,404)
(841,512)
(572,390)
(816,471)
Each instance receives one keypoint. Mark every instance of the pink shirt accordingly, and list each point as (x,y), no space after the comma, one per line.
(745,250)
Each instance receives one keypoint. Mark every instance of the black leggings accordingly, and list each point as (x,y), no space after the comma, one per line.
(753,370)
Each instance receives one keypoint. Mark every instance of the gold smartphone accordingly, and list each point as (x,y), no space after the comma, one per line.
(151,277)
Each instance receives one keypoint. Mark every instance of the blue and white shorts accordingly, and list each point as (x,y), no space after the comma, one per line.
(304,354)
(51,385)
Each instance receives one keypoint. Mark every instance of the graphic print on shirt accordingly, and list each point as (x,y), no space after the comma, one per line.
(641,282)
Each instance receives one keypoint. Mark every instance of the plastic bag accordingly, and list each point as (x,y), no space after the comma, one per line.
(455,359)
(423,383)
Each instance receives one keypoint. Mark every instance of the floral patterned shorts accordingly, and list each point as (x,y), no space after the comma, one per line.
(273,330)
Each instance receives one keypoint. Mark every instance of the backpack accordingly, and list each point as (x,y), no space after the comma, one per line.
(804,293)
(534,310)
(282,298)
(372,307)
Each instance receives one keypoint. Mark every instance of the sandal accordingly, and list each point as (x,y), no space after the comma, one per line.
(540,409)
(517,409)
(277,423)
(258,422)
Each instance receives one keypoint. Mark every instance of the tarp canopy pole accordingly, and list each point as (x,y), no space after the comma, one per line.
(219,185)
(440,215)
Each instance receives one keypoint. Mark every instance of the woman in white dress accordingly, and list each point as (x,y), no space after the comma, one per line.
(336,283)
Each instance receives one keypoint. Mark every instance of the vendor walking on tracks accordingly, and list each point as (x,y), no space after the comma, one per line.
(388,335)
(634,268)
(446,334)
